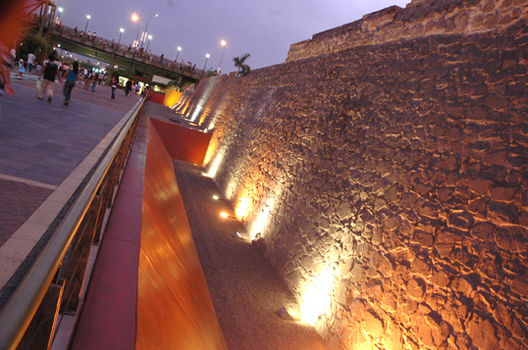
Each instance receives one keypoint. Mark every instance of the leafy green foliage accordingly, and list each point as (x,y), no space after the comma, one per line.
(34,43)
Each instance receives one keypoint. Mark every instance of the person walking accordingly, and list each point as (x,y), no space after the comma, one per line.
(114,86)
(95,80)
(5,65)
(50,72)
(128,87)
(30,61)
(21,68)
(71,76)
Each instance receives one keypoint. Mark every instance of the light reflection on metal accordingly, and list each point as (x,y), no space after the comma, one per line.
(317,295)
(202,101)
(215,197)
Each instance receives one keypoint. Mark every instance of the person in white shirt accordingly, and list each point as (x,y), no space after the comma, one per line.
(30,61)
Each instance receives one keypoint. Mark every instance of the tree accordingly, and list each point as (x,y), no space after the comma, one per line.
(34,43)
(242,68)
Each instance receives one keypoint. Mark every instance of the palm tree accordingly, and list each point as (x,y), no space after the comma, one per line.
(239,63)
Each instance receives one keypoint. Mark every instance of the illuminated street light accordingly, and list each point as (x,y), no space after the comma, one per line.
(60,9)
(178,54)
(223,43)
(121,31)
(88,18)
(206,58)
(135,18)
(149,39)
(146,28)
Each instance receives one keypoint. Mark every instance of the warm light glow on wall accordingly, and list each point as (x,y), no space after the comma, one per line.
(262,220)
(211,150)
(243,206)
(213,169)
(197,111)
(316,296)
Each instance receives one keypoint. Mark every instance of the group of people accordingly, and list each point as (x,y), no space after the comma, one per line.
(71,75)
(55,70)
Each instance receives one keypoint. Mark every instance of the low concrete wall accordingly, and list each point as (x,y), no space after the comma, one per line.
(157,97)
(182,143)
(174,309)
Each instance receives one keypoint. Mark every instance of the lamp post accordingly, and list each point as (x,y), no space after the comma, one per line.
(178,54)
(135,18)
(60,9)
(206,58)
(121,31)
(223,43)
(149,39)
(88,17)
(146,28)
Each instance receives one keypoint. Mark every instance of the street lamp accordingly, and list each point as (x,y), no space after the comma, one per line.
(223,43)
(146,28)
(60,9)
(88,17)
(206,58)
(121,31)
(135,19)
(178,54)
(149,39)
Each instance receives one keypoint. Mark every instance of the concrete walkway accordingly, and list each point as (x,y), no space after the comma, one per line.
(42,145)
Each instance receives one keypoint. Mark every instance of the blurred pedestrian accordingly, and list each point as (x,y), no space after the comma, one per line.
(14,21)
(49,73)
(95,80)
(128,87)
(30,61)
(114,86)
(21,68)
(71,76)
(5,64)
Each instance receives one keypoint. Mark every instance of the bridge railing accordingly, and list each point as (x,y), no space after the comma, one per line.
(122,50)
(54,282)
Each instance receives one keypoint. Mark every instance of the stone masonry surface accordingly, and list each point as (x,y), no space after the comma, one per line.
(419,19)
(401,169)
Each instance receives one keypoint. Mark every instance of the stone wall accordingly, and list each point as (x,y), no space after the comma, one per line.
(388,185)
(420,18)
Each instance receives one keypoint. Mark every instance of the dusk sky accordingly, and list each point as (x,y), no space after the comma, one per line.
(263,28)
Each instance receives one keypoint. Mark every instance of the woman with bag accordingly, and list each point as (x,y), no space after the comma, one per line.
(71,76)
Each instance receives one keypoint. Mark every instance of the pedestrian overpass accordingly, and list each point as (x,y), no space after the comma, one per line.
(124,57)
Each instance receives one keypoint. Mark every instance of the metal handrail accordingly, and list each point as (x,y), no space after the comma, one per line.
(18,311)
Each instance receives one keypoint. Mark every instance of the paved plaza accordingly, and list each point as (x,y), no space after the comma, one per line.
(41,143)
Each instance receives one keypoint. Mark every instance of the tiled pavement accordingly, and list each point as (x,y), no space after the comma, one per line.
(27,197)
(41,144)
